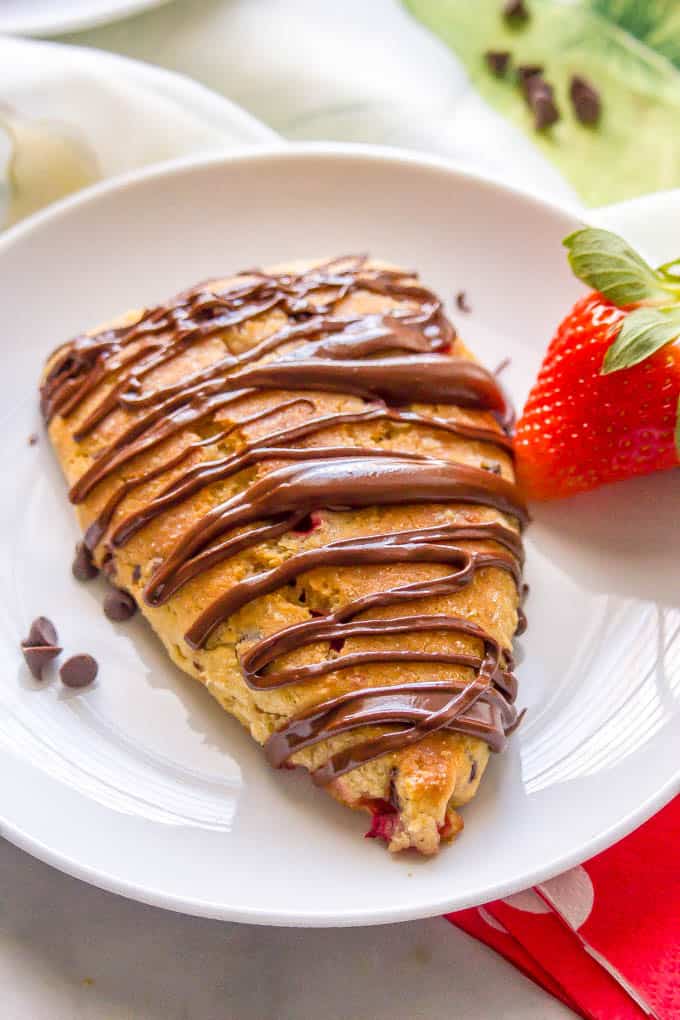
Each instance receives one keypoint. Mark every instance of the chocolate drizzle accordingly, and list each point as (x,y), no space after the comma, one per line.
(390,359)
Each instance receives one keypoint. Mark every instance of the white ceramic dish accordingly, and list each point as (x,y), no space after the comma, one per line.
(141,784)
(52,17)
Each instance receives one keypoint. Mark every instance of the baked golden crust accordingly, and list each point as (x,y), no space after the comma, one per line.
(425,782)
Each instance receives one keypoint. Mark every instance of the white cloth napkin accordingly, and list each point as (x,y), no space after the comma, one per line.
(72,116)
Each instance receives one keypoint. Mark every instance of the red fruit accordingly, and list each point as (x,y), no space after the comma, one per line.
(581,428)
(384,822)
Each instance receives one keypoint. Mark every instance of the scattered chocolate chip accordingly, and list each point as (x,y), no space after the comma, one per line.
(42,633)
(497,61)
(473,772)
(515,12)
(32,439)
(337,643)
(83,568)
(78,671)
(495,469)
(545,112)
(119,606)
(501,366)
(521,622)
(539,95)
(526,71)
(136,572)
(197,666)
(461,302)
(585,99)
(36,657)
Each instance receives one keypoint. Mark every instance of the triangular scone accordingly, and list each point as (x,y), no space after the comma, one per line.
(302,477)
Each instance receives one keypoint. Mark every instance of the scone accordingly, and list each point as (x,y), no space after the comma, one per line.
(306,482)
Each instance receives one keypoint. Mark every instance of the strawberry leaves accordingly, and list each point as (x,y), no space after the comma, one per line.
(643,332)
(609,265)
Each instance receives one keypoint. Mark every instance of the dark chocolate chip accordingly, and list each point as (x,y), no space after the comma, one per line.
(528,70)
(585,99)
(83,567)
(497,61)
(473,772)
(545,111)
(119,606)
(501,366)
(521,622)
(37,657)
(42,633)
(494,468)
(136,572)
(78,671)
(539,95)
(515,12)
(461,302)
(394,796)
(32,439)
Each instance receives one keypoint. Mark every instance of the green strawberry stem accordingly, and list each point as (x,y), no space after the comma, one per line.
(608,264)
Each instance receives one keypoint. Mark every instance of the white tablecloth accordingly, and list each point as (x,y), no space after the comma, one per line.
(308,70)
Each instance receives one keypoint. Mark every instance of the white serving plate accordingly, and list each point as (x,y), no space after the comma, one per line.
(141,784)
(52,17)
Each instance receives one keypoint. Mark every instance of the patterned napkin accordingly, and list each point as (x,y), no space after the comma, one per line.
(604,937)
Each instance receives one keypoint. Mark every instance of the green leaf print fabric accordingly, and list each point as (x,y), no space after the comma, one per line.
(629,49)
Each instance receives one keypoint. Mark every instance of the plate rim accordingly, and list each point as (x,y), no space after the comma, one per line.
(16,834)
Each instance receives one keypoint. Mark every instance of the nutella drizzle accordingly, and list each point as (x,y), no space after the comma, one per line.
(389,359)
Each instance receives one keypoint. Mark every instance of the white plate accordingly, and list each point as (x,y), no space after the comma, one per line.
(141,784)
(52,17)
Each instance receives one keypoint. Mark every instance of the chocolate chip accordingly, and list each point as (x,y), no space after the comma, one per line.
(78,671)
(136,572)
(119,606)
(585,99)
(83,568)
(497,61)
(461,302)
(494,468)
(32,439)
(473,772)
(42,633)
(37,657)
(545,111)
(515,12)
(526,71)
(539,95)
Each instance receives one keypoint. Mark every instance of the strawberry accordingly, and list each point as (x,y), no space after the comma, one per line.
(606,403)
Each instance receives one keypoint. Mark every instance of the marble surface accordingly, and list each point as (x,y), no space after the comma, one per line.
(71,952)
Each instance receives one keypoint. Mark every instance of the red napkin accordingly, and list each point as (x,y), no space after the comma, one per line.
(604,937)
